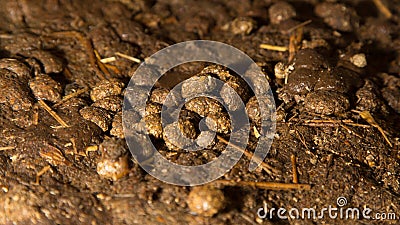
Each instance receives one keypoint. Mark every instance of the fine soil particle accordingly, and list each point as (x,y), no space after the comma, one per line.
(348,62)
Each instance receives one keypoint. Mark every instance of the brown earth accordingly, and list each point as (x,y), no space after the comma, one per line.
(46,52)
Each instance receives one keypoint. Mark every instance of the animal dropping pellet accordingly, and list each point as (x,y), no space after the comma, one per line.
(45,88)
(206,200)
(99,116)
(106,88)
(114,162)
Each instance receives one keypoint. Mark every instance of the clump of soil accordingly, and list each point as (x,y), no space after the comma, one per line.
(348,62)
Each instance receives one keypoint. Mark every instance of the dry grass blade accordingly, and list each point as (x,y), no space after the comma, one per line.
(108,60)
(100,64)
(299,25)
(274,47)
(333,123)
(54,156)
(133,59)
(72,95)
(74,145)
(301,138)
(52,113)
(267,168)
(295,42)
(350,130)
(113,68)
(265,185)
(6,148)
(296,37)
(40,173)
(383,9)
(87,44)
(92,148)
(368,117)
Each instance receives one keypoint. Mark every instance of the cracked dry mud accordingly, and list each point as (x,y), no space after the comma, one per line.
(349,62)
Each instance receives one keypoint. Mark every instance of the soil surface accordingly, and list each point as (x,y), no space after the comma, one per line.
(332,94)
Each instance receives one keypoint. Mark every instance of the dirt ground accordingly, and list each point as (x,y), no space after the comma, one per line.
(349,62)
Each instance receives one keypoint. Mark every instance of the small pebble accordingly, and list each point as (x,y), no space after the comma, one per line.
(280,70)
(242,25)
(359,60)
(206,200)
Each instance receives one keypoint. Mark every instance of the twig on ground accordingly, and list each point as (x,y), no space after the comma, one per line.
(368,117)
(294,169)
(295,42)
(383,9)
(40,173)
(265,185)
(87,44)
(74,145)
(350,131)
(52,113)
(301,138)
(72,95)
(113,68)
(267,168)
(100,64)
(299,25)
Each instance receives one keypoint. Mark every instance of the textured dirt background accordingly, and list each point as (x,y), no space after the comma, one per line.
(351,161)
